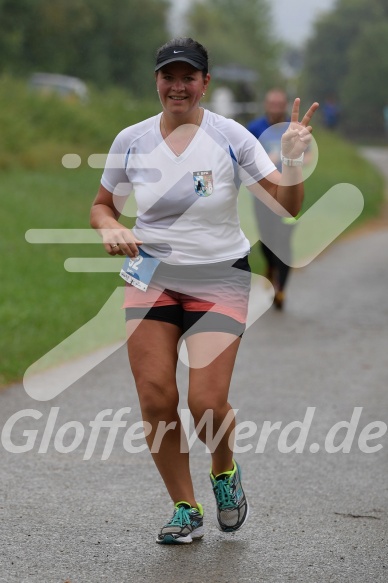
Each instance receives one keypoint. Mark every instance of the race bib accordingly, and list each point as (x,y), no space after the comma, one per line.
(139,271)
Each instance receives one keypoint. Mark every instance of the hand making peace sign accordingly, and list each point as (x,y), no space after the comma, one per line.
(297,137)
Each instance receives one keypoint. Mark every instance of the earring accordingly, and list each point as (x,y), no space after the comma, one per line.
(203,94)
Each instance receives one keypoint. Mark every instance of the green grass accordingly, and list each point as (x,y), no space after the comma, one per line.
(37,130)
(41,303)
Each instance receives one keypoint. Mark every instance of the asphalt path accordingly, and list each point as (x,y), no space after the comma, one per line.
(317,516)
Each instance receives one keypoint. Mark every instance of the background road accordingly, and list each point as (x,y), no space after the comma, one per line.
(315,517)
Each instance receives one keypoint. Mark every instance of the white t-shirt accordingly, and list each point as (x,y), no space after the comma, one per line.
(187,204)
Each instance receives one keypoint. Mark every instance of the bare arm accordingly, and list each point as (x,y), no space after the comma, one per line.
(104,215)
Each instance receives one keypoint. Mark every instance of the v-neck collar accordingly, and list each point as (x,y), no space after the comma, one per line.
(186,152)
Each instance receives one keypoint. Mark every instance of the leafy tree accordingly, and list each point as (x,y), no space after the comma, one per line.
(330,64)
(237,33)
(104,42)
(364,91)
(15,20)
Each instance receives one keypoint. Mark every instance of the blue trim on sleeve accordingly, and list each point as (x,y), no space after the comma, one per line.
(237,180)
(126,157)
(232,154)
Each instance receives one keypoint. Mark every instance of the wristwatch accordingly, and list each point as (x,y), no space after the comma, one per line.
(292,161)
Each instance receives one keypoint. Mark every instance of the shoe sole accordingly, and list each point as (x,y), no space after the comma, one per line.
(170,539)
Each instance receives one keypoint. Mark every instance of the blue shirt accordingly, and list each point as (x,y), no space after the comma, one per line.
(270,136)
(271,225)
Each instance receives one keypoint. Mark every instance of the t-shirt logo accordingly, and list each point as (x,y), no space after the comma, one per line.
(203,182)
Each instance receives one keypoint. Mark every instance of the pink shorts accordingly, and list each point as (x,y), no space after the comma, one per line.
(209,297)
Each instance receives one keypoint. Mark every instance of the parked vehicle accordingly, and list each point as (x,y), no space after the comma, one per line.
(70,88)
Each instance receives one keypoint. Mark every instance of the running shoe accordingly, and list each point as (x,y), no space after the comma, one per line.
(185,525)
(232,505)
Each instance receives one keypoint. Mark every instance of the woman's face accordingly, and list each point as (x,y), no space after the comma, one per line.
(180,87)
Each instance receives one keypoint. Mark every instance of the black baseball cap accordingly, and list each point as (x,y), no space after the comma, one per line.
(179,53)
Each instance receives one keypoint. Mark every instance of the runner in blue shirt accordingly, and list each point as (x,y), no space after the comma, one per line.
(275,231)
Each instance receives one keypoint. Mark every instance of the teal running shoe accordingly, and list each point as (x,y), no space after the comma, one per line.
(185,525)
(232,505)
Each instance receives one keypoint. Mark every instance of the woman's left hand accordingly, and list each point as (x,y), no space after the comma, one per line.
(297,137)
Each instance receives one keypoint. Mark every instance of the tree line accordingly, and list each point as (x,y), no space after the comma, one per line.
(114,42)
(346,60)
(107,42)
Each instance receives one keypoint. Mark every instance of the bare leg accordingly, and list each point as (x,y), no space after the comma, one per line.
(209,388)
(152,351)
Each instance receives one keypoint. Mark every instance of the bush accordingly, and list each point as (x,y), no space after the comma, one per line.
(37,130)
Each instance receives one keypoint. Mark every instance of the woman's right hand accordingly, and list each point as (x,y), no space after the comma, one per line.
(104,214)
(119,240)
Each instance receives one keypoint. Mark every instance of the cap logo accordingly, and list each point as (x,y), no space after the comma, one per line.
(190,55)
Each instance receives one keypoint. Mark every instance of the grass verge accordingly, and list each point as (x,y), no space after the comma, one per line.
(41,303)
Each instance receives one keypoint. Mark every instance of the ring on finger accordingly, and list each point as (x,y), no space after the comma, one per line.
(115,245)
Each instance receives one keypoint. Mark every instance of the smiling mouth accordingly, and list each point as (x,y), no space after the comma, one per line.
(174,98)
